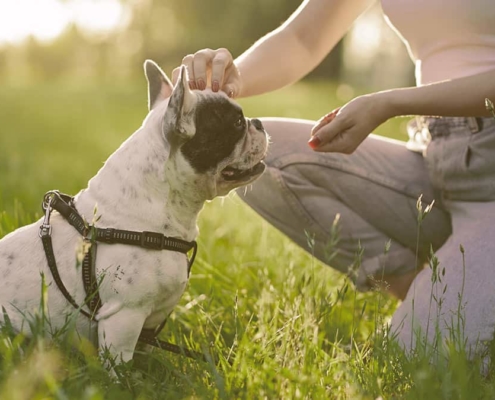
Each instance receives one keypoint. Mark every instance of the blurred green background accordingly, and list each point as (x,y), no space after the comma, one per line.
(46,40)
(72,90)
(72,87)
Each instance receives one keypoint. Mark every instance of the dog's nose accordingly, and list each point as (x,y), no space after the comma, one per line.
(257,124)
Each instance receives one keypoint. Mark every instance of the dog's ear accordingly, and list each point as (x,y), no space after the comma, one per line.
(159,86)
(180,112)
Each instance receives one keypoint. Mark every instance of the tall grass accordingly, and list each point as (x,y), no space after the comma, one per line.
(282,325)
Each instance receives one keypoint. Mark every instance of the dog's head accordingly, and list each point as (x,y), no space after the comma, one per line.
(214,148)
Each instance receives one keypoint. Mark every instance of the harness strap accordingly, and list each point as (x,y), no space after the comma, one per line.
(90,282)
(64,204)
(161,344)
(52,264)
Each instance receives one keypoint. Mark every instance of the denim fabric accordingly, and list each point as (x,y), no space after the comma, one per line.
(461,158)
(462,298)
(374,191)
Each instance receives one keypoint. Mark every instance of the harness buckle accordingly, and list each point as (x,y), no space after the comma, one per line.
(46,228)
(152,240)
(48,199)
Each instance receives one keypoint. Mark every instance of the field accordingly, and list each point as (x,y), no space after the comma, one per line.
(282,325)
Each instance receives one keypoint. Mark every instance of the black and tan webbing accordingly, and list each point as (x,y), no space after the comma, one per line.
(64,204)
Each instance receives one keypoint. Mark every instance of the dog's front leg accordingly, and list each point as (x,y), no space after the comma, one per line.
(119,333)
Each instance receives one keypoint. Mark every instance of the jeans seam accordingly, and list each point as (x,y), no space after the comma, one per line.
(301,210)
(396,186)
(366,270)
(295,204)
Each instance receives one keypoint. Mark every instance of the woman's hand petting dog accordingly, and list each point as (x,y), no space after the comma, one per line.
(212,68)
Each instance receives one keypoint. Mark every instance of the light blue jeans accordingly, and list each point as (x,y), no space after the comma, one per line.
(375,192)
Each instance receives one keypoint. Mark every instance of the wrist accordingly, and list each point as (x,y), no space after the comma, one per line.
(389,103)
(239,84)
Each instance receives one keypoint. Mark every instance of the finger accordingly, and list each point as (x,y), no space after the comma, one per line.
(221,61)
(188,62)
(327,132)
(201,62)
(231,90)
(175,75)
(339,144)
(175,78)
(326,119)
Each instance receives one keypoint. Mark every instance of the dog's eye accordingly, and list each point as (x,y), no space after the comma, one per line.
(239,124)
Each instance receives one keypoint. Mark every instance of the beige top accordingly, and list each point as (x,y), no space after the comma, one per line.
(446,39)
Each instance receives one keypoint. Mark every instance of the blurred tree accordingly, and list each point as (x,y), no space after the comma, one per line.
(168,30)
(51,61)
(185,26)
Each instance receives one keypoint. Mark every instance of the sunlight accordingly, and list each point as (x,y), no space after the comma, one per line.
(97,15)
(21,18)
(366,36)
(47,19)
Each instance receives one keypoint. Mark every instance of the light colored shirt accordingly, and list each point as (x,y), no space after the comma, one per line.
(446,39)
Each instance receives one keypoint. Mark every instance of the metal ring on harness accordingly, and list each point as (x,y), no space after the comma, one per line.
(54,200)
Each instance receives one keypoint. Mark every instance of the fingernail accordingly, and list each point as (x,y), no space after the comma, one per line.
(192,85)
(215,86)
(314,142)
(201,84)
(329,117)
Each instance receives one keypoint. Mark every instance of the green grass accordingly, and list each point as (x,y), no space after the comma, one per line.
(291,327)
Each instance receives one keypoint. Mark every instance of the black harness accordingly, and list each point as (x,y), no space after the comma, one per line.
(64,204)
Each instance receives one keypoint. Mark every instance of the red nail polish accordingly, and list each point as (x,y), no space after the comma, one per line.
(215,86)
(314,142)
(201,84)
(328,118)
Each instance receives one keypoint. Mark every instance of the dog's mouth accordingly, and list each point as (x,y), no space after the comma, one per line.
(231,173)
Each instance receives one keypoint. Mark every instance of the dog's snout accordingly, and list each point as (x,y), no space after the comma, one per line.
(257,124)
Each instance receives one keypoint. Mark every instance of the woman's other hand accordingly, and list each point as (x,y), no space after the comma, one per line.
(343,130)
(212,68)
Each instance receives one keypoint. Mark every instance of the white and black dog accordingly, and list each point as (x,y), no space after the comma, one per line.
(192,147)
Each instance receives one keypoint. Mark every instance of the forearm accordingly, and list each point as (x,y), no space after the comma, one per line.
(269,64)
(290,52)
(457,97)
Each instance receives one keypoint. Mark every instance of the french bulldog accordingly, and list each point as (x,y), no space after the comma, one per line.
(192,146)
